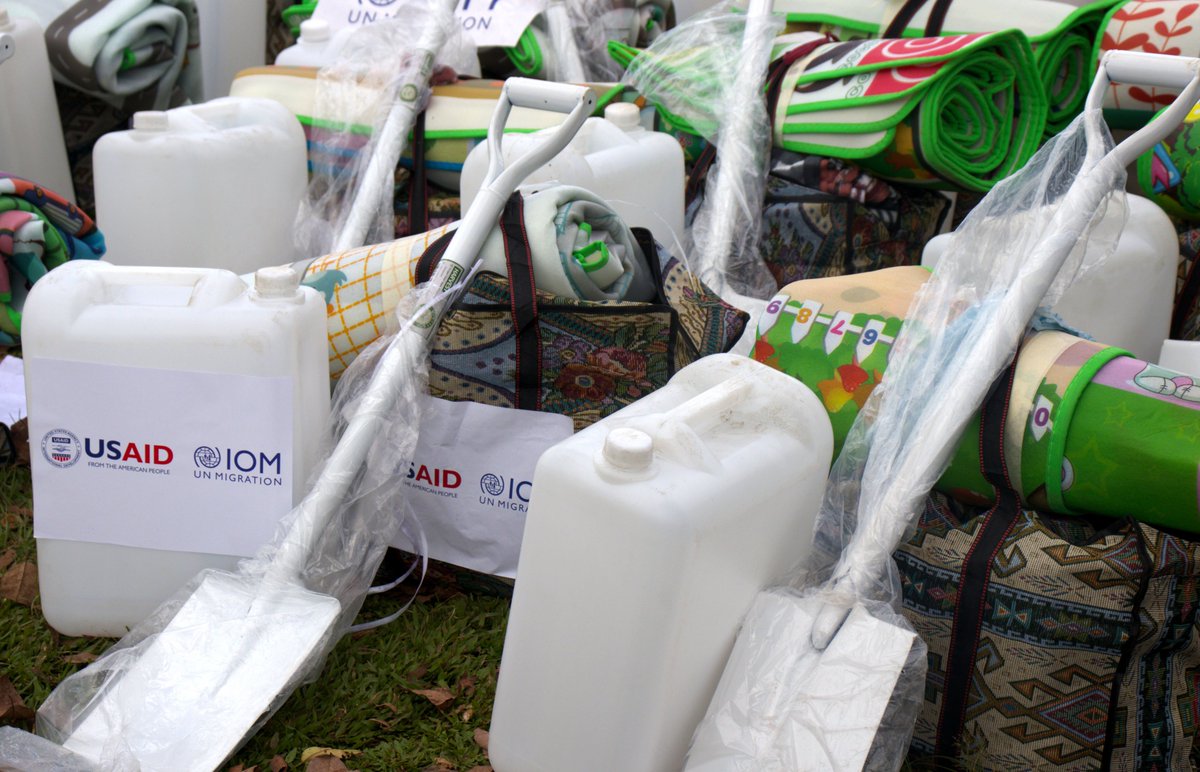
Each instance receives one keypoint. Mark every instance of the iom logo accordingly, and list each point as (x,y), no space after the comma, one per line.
(61,448)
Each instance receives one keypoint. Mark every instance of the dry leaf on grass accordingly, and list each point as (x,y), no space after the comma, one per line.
(440,765)
(19,584)
(278,764)
(82,658)
(7,558)
(466,685)
(334,753)
(440,697)
(481,738)
(326,764)
(12,707)
(484,768)
(20,438)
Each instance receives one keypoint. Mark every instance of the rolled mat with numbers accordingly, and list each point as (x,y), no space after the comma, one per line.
(1089,429)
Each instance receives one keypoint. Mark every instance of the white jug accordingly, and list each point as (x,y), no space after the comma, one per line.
(638,172)
(648,535)
(31,139)
(317,45)
(177,414)
(215,185)
(1127,301)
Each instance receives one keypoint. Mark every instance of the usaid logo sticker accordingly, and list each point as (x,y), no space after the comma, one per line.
(61,448)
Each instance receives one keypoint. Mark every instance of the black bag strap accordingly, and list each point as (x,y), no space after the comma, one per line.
(523,301)
(975,574)
(418,183)
(933,26)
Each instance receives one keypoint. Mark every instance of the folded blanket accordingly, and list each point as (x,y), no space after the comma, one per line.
(1158,27)
(39,230)
(579,248)
(1061,34)
(135,54)
(456,119)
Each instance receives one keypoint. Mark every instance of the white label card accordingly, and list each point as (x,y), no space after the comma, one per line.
(471,479)
(486,22)
(159,459)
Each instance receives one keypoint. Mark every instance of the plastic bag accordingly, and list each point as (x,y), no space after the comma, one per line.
(709,71)
(959,333)
(213,641)
(377,66)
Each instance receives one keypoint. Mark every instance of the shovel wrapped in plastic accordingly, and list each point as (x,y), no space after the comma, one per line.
(855,705)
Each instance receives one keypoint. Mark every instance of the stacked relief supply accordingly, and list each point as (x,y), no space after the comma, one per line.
(175,414)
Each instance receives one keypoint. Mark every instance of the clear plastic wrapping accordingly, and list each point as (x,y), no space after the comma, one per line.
(364,107)
(1017,250)
(212,664)
(709,72)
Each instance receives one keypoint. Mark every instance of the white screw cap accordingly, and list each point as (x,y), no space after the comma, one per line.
(314,31)
(624,115)
(150,120)
(278,281)
(630,450)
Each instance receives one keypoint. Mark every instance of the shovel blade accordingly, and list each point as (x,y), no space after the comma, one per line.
(188,699)
(783,705)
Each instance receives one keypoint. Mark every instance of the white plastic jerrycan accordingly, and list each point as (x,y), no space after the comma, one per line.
(317,45)
(215,185)
(1127,301)
(31,140)
(647,537)
(175,416)
(638,172)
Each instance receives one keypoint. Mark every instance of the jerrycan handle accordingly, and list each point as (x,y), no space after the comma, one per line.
(190,287)
(678,437)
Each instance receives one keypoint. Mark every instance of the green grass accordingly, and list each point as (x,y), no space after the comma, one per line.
(362,701)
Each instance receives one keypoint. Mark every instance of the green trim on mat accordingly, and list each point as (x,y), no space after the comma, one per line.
(526,55)
(1066,411)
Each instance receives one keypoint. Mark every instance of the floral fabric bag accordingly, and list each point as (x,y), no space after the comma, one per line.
(508,343)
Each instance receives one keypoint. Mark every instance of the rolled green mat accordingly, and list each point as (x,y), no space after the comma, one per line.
(526,55)
(1061,34)
(1088,428)
(1169,172)
(966,110)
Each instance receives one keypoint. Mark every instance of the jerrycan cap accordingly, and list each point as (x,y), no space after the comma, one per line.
(628,449)
(314,31)
(279,281)
(150,120)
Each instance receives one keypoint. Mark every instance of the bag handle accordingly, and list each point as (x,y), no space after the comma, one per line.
(933,25)
(522,295)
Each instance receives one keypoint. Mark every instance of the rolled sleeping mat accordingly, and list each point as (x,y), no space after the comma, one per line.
(1169,172)
(1062,35)
(957,112)
(456,119)
(566,227)
(1088,426)
(1158,27)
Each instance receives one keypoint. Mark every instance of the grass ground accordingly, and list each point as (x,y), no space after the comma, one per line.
(447,646)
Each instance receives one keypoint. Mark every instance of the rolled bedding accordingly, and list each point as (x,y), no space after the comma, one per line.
(456,118)
(966,110)
(633,22)
(1061,34)
(363,286)
(133,54)
(39,230)
(1159,27)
